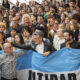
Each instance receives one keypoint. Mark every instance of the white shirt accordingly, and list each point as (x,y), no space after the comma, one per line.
(40,48)
(57,42)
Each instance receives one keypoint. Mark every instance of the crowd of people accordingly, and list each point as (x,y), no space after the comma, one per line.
(44,28)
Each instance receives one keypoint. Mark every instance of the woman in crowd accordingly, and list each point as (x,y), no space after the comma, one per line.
(18,39)
(34,20)
(67,23)
(26,35)
(1,40)
(6,22)
(12,35)
(26,21)
(6,4)
(63,16)
(50,23)
(3,27)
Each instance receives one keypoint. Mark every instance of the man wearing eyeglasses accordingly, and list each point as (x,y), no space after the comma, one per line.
(8,62)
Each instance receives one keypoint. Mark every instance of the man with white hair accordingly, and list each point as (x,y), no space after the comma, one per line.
(37,44)
(8,62)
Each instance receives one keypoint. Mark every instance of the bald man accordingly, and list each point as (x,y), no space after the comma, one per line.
(8,62)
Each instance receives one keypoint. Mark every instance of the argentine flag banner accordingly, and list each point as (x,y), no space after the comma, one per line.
(60,65)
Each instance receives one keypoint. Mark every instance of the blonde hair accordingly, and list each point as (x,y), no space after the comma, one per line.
(74,22)
(3,25)
(62,25)
(26,15)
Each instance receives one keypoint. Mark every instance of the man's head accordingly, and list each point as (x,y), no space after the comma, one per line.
(15,20)
(12,13)
(47,8)
(53,9)
(37,37)
(40,10)
(8,49)
(68,35)
(34,10)
(18,16)
(61,9)
(40,19)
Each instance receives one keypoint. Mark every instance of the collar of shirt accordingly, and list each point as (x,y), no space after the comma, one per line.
(40,48)
(8,54)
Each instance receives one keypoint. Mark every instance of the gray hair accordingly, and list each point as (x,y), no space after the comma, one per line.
(39,33)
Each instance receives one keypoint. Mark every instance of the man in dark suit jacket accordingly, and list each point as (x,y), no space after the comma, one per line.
(37,44)
(69,40)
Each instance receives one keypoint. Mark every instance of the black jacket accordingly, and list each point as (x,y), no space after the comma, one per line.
(32,46)
(6,6)
(74,45)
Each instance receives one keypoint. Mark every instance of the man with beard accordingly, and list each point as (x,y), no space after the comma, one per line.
(69,40)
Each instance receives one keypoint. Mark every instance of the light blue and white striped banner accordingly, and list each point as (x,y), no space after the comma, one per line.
(60,65)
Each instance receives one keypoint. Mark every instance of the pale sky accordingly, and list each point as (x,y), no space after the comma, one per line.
(24,1)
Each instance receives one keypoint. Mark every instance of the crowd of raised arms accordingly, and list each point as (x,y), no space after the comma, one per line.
(44,28)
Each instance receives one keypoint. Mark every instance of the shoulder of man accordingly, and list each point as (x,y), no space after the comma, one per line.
(75,45)
(2,56)
(63,45)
